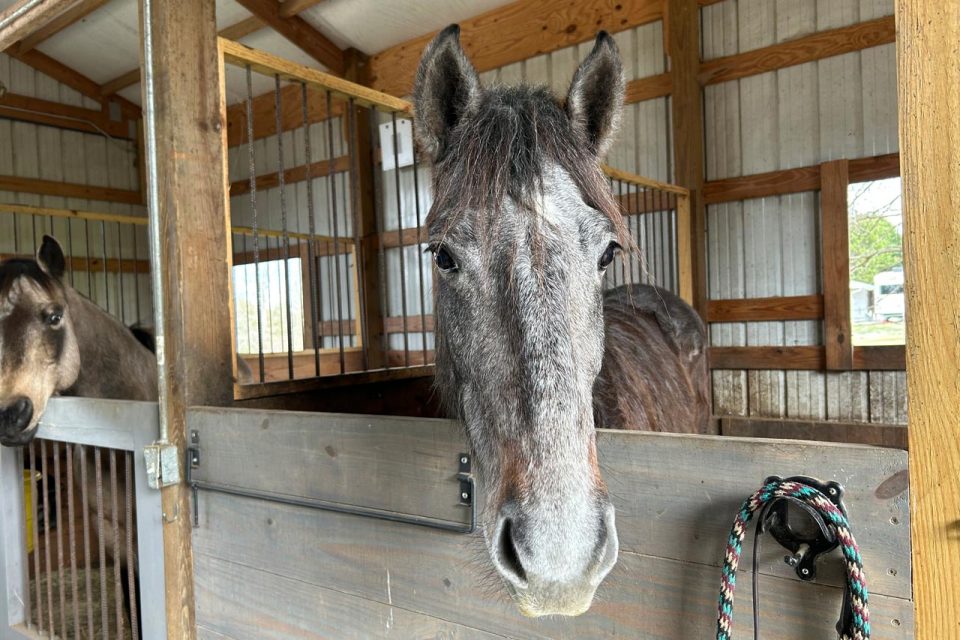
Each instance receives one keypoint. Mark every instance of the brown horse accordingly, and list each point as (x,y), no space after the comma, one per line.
(531,354)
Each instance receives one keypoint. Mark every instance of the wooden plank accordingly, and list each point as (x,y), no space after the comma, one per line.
(412,324)
(276,366)
(68,190)
(929,128)
(197,355)
(835,254)
(682,33)
(23,18)
(692,484)
(78,12)
(881,435)
(122,81)
(881,358)
(685,262)
(96,265)
(299,32)
(293,175)
(798,180)
(291,113)
(762,309)
(55,114)
(649,183)
(293,7)
(642,89)
(512,33)
(816,46)
(647,597)
(804,357)
(327,383)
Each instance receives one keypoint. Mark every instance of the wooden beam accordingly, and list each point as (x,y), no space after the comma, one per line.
(929,129)
(295,174)
(682,29)
(809,358)
(879,435)
(96,265)
(817,46)
(197,354)
(55,114)
(786,181)
(73,79)
(68,190)
(766,309)
(23,18)
(835,252)
(299,32)
(880,358)
(515,32)
(122,81)
(61,22)
(412,324)
(641,89)
(289,8)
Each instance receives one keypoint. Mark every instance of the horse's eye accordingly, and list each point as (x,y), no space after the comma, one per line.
(444,260)
(608,255)
(54,318)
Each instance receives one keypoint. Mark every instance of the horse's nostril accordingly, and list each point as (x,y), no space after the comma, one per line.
(509,559)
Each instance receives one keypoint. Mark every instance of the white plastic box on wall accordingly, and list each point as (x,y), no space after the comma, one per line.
(404,138)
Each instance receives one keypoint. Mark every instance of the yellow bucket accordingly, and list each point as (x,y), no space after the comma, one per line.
(28,504)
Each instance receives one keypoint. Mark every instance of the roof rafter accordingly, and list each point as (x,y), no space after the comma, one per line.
(58,24)
(299,32)
(22,19)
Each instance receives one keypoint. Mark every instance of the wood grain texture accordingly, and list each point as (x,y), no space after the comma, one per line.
(20,184)
(56,114)
(682,33)
(802,358)
(929,129)
(515,32)
(328,383)
(757,309)
(665,585)
(880,358)
(881,435)
(264,113)
(817,46)
(648,88)
(292,175)
(835,255)
(298,31)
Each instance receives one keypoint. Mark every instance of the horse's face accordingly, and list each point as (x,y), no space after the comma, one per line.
(39,355)
(522,229)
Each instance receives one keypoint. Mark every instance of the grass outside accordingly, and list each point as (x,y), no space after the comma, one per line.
(870,334)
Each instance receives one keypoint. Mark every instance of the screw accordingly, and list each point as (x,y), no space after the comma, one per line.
(463,459)
(805,571)
(464,495)
(833,491)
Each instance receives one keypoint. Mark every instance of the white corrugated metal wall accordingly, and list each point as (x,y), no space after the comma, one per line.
(840,107)
(49,153)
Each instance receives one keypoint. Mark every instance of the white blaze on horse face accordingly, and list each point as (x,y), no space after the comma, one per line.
(35,362)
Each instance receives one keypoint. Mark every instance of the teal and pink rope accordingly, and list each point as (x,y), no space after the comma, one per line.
(833,517)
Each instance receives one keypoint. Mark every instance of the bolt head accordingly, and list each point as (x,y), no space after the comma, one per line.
(805,572)
(464,495)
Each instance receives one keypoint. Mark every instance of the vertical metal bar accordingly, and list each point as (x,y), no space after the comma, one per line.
(419,254)
(379,194)
(283,223)
(72,541)
(101,545)
(312,228)
(87,559)
(358,248)
(115,512)
(253,210)
(86,239)
(403,273)
(48,568)
(336,226)
(36,533)
(58,507)
(103,251)
(131,551)
(122,313)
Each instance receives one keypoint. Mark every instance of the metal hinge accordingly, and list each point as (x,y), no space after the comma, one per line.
(163,464)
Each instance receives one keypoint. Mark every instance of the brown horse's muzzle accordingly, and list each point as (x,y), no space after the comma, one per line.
(15,419)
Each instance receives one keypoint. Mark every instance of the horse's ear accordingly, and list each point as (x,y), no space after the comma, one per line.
(595,99)
(50,258)
(447,89)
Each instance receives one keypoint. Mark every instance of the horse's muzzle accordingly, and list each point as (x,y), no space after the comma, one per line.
(15,417)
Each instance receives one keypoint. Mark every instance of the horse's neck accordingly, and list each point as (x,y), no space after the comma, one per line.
(113,364)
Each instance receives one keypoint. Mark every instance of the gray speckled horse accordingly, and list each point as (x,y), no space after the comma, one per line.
(531,354)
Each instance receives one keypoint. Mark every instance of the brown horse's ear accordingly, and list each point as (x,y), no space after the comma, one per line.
(595,99)
(50,258)
(447,89)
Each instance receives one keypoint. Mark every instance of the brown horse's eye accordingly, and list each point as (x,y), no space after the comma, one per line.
(444,260)
(608,255)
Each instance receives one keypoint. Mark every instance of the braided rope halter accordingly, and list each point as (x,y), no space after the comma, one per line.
(855,622)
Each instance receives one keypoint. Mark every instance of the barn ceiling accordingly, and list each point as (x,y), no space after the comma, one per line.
(103,46)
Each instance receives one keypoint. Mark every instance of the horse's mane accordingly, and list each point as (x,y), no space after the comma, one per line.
(12,269)
(502,150)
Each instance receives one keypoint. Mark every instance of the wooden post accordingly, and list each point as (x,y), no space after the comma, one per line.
(194,257)
(682,34)
(835,249)
(684,250)
(365,219)
(927,36)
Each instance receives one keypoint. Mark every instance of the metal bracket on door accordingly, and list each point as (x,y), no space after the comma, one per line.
(466,497)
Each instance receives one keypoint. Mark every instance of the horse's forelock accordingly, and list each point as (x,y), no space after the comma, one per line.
(13,269)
